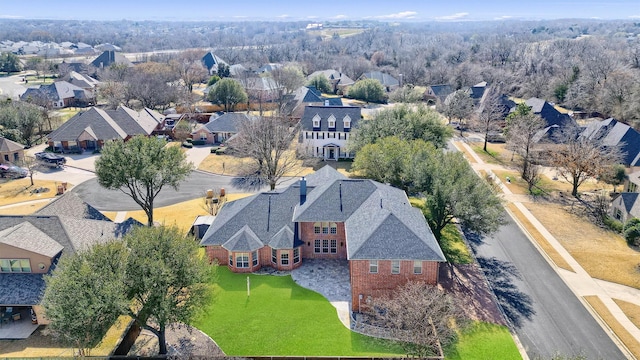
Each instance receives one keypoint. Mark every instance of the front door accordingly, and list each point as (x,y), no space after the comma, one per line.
(332,154)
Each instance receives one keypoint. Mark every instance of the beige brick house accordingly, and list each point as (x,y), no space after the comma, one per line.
(328,216)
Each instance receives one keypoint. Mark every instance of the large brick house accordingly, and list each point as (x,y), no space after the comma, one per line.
(328,216)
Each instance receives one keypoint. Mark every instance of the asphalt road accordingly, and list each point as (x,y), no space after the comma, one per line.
(193,187)
(548,317)
(12,86)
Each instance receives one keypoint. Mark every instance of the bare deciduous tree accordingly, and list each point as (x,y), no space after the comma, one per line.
(490,114)
(418,314)
(522,127)
(267,141)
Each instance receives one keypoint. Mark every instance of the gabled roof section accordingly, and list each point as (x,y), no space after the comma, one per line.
(283,239)
(334,76)
(629,199)
(549,114)
(80,80)
(612,133)
(27,237)
(71,205)
(243,240)
(324,175)
(334,201)
(324,112)
(383,78)
(109,57)
(7,145)
(211,60)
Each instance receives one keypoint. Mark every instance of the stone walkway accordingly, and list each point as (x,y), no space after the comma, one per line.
(329,278)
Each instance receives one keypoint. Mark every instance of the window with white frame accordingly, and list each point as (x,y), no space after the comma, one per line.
(346,122)
(296,255)
(317,246)
(333,228)
(332,122)
(15,265)
(417,267)
(317,228)
(203,136)
(325,227)
(395,266)
(373,266)
(274,256)
(333,246)
(254,258)
(316,121)
(284,258)
(242,260)
(325,246)
(230,259)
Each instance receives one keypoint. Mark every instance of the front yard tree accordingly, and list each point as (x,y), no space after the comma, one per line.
(321,83)
(166,277)
(406,123)
(453,191)
(26,119)
(490,113)
(369,90)
(420,315)
(228,93)
(579,159)
(140,168)
(267,141)
(85,295)
(458,105)
(287,79)
(522,127)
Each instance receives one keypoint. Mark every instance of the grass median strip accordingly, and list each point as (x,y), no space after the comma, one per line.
(627,339)
(539,239)
(631,310)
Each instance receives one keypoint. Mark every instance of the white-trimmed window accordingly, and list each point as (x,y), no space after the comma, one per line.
(274,256)
(316,246)
(333,228)
(242,260)
(284,258)
(334,246)
(15,265)
(316,121)
(332,122)
(325,227)
(254,258)
(395,266)
(203,136)
(325,246)
(417,267)
(373,266)
(346,122)
(632,187)
(230,259)
(317,228)
(296,255)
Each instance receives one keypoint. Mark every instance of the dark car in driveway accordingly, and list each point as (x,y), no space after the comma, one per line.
(50,159)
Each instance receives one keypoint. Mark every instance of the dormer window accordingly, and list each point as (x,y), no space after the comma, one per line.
(346,122)
(332,122)
(316,122)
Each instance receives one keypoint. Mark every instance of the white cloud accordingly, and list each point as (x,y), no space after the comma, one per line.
(283,16)
(11,16)
(634,16)
(456,16)
(400,15)
(312,17)
(341,16)
(504,17)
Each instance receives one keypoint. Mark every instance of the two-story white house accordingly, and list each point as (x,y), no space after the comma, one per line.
(326,129)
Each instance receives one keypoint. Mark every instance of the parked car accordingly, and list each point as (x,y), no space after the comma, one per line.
(50,159)
(13,172)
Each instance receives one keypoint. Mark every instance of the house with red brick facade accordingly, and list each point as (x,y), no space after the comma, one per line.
(326,215)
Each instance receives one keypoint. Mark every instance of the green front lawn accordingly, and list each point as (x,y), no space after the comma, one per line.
(483,341)
(279,318)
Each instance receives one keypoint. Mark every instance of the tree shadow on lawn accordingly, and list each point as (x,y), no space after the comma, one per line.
(500,274)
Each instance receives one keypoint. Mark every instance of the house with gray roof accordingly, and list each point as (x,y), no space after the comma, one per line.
(89,130)
(549,114)
(10,151)
(326,215)
(338,80)
(625,206)
(110,57)
(30,246)
(295,103)
(58,95)
(325,130)
(438,93)
(612,133)
(220,128)
(388,82)
(211,61)
(81,80)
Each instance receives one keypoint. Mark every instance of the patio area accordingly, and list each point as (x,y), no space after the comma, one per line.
(16,324)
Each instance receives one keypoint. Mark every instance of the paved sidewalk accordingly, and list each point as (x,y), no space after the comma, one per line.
(579,281)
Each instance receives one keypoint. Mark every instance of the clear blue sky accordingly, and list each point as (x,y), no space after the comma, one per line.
(318,10)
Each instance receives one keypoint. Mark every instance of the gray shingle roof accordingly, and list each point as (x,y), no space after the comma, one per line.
(384,79)
(71,205)
(21,289)
(549,114)
(211,60)
(109,57)
(27,237)
(612,133)
(324,112)
(227,122)
(333,76)
(380,223)
(7,145)
(80,80)
(243,240)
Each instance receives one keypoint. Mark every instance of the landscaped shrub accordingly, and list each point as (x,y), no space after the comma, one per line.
(187,145)
(613,224)
(221,151)
(189,140)
(214,149)
(198,142)
(632,231)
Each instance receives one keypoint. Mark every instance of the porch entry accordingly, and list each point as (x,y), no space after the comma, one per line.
(331,151)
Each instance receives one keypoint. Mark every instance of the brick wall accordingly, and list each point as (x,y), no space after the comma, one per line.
(308,236)
(218,253)
(367,284)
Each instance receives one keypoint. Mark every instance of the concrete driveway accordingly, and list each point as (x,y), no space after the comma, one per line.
(12,86)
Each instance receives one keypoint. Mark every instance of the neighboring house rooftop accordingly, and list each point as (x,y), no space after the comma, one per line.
(80,80)
(7,145)
(226,122)
(333,76)
(268,68)
(384,79)
(57,91)
(109,57)
(71,205)
(612,133)
(211,61)
(324,112)
(549,114)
